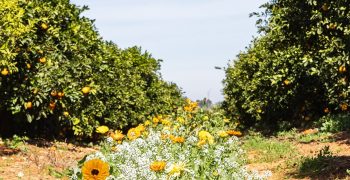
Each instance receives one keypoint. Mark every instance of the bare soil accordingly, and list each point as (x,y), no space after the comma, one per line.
(289,168)
(39,160)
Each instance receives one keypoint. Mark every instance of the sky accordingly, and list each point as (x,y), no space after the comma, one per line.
(191,37)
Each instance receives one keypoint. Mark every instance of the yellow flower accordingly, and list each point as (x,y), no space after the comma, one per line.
(201,142)
(157,166)
(206,136)
(222,133)
(140,128)
(234,133)
(102,129)
(176,169)
(190,106)
(166,122)
(205,118)
(95,169)
(117,135)
(133,134)
(147,123)
(156,119)
(177,139)
(164,136)
(180,120)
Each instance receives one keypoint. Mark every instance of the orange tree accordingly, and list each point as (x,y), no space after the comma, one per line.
(58,75)
(297,70)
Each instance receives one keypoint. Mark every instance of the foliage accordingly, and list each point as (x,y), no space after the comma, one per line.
(334,123)
(297,70)
(15,142)
(188,144)
(58,73)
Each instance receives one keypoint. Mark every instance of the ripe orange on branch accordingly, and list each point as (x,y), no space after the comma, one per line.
(85,90)
(28,105)
(342,69)
(42,60)
(53,93)
(4,72)
(60,94)
(44,26)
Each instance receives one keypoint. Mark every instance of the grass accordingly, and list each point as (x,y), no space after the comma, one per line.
(267,150)
(294,135)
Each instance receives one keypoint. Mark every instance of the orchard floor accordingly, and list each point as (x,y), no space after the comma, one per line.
(305,154)
(40,159)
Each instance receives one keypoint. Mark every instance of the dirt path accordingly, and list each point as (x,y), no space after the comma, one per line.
(331,168)
(39,160)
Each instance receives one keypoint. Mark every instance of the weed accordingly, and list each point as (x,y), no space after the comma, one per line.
(305,138)
(334,123)
(15,142)
(268,150)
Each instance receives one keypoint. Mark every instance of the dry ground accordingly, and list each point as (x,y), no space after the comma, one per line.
(40,160)
(335,168)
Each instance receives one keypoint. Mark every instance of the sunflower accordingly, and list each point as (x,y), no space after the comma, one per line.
(95,169)
(157,166)
(133,134)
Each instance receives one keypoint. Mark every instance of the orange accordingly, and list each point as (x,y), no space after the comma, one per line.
(28,105)
(342,69)
(42,60)
(53,93)
(326,110)
(286,82)
(332,26)
(60,94)
(52,105)
(5,72)
(44,26)
(28,66)
(85,90)
(66,114)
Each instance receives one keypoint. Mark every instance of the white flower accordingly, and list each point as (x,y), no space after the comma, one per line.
(109,140)
(20,174)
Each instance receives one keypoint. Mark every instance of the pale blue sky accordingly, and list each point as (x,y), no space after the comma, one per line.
(190,36)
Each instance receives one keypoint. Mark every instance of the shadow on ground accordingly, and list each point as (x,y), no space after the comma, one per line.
(6,151)
(324,168)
